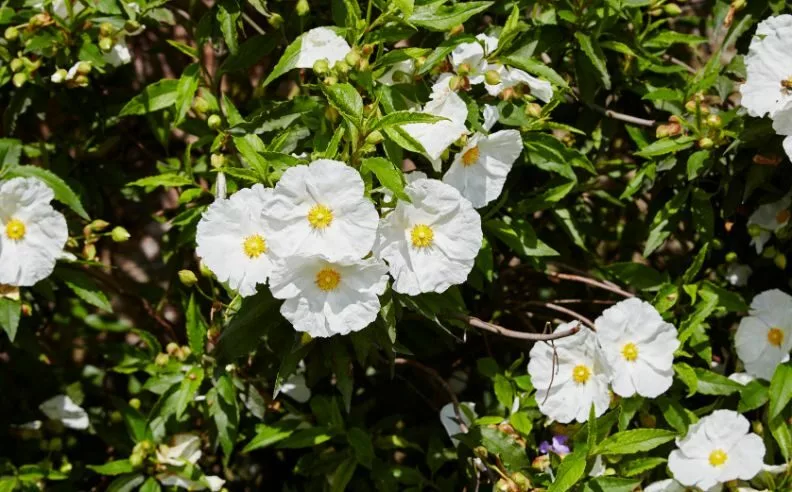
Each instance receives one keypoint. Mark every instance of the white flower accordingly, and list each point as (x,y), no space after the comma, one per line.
(325,298)
(60,8)
(431,243)
(671,485)
(567,387)
(450,421)
(321,43)
(234,240)
(118,55)
(437,137)
(479,171)
(741,377)
(511,77)
(64,410)
(639,347)
(737,274)
(32,233)
(185,449)
(717,449)
(769,66)
(295,386)
(764,337)
(770,217)
(398,73)
(321,209)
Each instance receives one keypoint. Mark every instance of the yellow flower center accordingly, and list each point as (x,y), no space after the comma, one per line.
(320,217)
(787,83)
(783,216)
(422,236)
(630,352)
(471,156)
(775,336)
(328,279)
(15,229)
(254,246)
(718,457)
(581,373)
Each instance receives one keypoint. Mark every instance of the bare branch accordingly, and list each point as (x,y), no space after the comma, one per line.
(535,337)
(562,309)
(589,281)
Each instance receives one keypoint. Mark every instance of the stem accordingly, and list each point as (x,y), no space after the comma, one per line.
(562,309)
(534,337)
(589,281)
(621,116)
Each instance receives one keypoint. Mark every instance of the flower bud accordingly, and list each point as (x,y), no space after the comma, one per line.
(81,81)
(374,137)
(134,403)
(162,359)
(690,106)
(89,251)
(200,105)
(780,261)
(20,79)
(11,33)
(341,67)
(204,270)
(187,278)
(17,64)
(331,80)
(302,8)
(275,20)
(105,44)
(59,76)
(672,9)
(136,460)
(754,230)
(731,257)
(738,5)
(172,348)
(706,143)
(321,67)
(84,68)
(119,234)
(463,69)
(352,58)
(131,26)
(662,131)
(533,109)
(217,160)
(769,253)
(214,122)
(458,29)
(98,225)
(714,121)
(116,417)
(39,20)
(183,353)
(492,77)
(106,29)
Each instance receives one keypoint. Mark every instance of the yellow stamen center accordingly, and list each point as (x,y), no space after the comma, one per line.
(630,352)
(254,246)
(320,217)
(581,373)
(471,156)
(787,83)
(422,236)
(328,279)
(15,229)
(783,216)
(718,457)
(775,336)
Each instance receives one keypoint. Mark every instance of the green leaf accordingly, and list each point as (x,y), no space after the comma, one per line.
(634,441)
(637,275)
(10,151)
(63,193)
(637,466)
(661,222)
(305,438)
(250,53)
(157,96)
(346,99)
(151,485)
(520,237)
(267,435)
(185,91)
(595,55)
(522,422)
(387,174)
(10,313)
(665,146)
(696,162)
(688,376)
(571,470)
(524,62)
(404,140)
(503,445)
(167,179)
(188,389)
(406,6)
(703,215)
(184,48)
(668,38)
(287,61)
(399,118)
(225,413)
(710,383)
(779,428)
(780,389)
(752,396)
(113,468)
(504,391)
(343,475)
(228,14)
(126,483)
(443,50)
(196,327)
(85,287)
(255,317)
(435,16)
(362,446)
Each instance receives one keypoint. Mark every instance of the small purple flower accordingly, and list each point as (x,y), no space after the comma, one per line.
(558,446)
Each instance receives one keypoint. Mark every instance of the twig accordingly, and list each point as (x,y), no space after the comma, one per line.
(679,62)
(621,116)
(536,337)
(588,281)
(437,377)
(253,24)
(562,309)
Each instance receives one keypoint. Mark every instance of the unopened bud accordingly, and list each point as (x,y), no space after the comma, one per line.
(131,26)
(302,8)
(134,403)
(738,5)
(374,137)
(98,225)
(706,143)
(731,257)
(11,33)
(754,230)
(214,122)
(81,81)
(84,68)
(330,80)
(172,348)
(105,44)
(780,261)
(204,270)
(59,76)
(463,69)
(352,58)
(769,253)
(106,29)
(275,20)
(17,64)
(182,354)
(458,29)
(690,106)
(533,109)
(136,460)
(217,160)
(714,121)
(492,77)
(187,278)
(200,105)
(20,79)
(321,67)
(672,9)
(119,234)
(89,251)
(341,66)
(162,359)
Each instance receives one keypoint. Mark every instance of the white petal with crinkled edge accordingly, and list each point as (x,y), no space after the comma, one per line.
(221,236)
(331,184)
(723,430)
(559,396)
(510,77)
(351,306)
(321,43)
(118,55)
(25,261)
(768,62)
(636,322)
(474,55)
(437,137)
(64,410)
(671,485)
(456,227)
(482,181)
(770,309)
